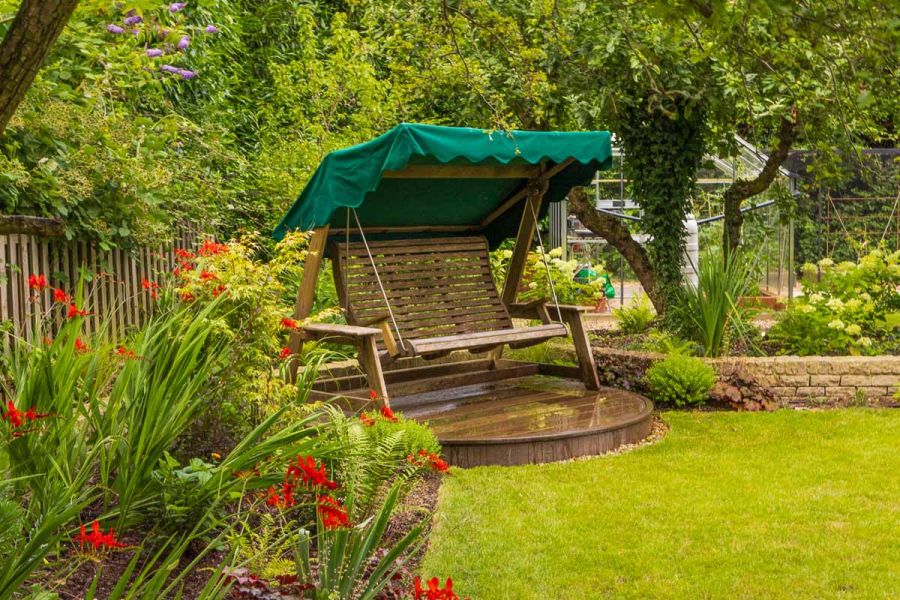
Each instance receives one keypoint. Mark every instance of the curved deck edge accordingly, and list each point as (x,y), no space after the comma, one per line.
(549,448)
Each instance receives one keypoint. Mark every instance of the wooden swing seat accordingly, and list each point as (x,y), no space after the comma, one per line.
(441,293)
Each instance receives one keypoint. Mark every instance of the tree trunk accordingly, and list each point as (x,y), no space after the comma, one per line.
(41,226)
(615,232)
(743,189)
(27,42)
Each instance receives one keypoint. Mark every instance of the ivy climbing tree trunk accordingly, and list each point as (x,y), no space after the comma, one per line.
(28,40)
(664,150)
(742,189)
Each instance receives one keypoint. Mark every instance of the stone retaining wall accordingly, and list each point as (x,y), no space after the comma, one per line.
(798,381)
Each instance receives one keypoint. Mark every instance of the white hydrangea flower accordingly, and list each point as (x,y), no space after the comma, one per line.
(864,342)
(836,324)
(532,285)
(835,304)
(826,262)
(865,296)
(853,329)
(816,298)
(806,308)
(853,303)
(556,252)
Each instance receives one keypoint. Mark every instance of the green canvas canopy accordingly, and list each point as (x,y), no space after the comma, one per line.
(453,179)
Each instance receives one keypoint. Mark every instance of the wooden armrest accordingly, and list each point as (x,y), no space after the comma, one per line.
(569,308)
(341,334)
(375,320)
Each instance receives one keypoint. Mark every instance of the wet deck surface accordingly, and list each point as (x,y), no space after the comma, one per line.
(528,409)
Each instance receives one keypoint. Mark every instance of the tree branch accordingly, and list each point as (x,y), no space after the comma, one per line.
(41,226)
(742,189)
(615,232)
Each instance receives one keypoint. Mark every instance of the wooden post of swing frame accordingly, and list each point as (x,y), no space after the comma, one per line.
(306,294)
(531,207)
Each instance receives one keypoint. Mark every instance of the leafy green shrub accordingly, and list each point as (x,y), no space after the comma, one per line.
(710,313)
(535,284)
(854,309)
(680,380)
(255,301)
(636,317)
(665,342)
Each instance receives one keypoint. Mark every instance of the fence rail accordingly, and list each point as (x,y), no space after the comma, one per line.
(113,290)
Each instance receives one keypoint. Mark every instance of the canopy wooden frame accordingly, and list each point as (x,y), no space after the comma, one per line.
(366,335)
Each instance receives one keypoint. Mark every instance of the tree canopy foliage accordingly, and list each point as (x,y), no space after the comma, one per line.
(124,150)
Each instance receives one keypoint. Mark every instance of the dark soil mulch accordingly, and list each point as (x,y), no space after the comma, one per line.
(114,564)
(417,506)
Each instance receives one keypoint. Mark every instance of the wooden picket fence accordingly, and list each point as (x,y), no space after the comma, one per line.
(112,280)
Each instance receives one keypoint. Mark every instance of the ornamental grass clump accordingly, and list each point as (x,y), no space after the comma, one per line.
(680,380)
(710,313)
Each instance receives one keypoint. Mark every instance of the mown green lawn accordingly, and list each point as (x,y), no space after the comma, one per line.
(728,505)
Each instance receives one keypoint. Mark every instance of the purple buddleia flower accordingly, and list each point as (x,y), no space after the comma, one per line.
(135,32)
(164,33)
(169,69)
(133,20)
(212,29)
(184,42)
(177,7)
(114,29)
(186,74)
(154,52)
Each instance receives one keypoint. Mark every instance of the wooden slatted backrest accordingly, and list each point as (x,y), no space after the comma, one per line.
(435,286)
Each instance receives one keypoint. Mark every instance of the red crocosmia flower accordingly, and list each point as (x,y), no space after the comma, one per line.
(126,353)
(152,286)
(96,539)
(366,419)
(184,254)
(285,353)
(80,346)
(207,276)
(373,395)
(37,282)
(332,513)
(187,297)
(74,311)
(32,415)
(15,416)
(429,459)
(219,290)
(289,323)
(60,296)
(313,474)
(388,414)
(211,248)
(274,499)
(283,500)
(433,591)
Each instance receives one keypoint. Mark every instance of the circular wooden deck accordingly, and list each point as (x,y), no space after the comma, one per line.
(534,419)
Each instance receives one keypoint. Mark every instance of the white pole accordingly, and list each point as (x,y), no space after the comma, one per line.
(691,250)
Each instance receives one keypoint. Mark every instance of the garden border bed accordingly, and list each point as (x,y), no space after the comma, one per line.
(793,381)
